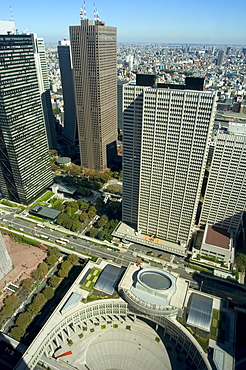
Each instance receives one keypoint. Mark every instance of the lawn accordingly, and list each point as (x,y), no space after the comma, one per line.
(91,279)
(217,330)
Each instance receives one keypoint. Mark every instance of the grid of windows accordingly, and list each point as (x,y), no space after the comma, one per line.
(166,138)
(93,48)
(24,160)
(225,197)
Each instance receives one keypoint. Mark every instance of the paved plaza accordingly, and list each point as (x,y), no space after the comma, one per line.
(128,345)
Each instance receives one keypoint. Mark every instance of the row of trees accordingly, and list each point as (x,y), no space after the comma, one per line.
(25,318)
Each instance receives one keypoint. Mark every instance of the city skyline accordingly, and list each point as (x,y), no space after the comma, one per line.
(193,22)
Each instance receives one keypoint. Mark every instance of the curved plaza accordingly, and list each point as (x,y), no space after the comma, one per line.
(113,334)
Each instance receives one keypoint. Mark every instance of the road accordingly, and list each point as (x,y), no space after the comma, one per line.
(207,283)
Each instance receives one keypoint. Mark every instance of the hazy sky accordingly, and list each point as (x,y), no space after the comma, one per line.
(176,21)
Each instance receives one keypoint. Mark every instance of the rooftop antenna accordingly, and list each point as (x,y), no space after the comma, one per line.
(83,12)
(11,14)
(96,14)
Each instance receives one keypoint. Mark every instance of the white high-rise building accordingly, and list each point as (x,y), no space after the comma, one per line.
(167,132)
(225,197)
(44,87)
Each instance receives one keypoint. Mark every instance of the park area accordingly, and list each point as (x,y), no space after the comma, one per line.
(25,258)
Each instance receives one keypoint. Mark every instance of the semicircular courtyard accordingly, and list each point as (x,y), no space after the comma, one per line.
(121,345)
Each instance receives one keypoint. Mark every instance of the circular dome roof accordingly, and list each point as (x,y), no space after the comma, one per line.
(155,280)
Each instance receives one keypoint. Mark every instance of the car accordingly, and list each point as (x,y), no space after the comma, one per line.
(21,229)
(138,262)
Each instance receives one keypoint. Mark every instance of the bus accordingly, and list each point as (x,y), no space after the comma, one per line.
(64,240)
(58,241)
(45,237)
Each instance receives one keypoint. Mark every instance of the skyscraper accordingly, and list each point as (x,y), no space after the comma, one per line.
(44,87)
(221,57)
(225,197)
(24,159)
(67,78)
(167,131)
(93,48)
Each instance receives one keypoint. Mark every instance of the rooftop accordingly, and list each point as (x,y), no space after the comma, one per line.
(218,237)
(44,212)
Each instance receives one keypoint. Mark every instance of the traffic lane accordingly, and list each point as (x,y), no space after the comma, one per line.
(144,249)
(77,244)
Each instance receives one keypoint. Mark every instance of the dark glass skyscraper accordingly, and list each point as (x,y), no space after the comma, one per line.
(24,159)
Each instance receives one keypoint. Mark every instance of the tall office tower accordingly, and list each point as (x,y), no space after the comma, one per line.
(225,197)
(44,87)
(5,260)
(120,85)
(221,57)
(93,48)
(24,159)
(67,78)
(167,131)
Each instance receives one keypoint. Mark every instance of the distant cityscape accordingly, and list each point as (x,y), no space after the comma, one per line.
(123,170)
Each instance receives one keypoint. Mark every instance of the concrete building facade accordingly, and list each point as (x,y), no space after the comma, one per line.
(225,197)
(93,48)
(67,79)
(44,87)
(24,159)
(167,132)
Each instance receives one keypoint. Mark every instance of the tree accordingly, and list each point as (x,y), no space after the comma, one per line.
(63,273)
(27,284)
(55,251)
(37,303)
(62,219)
(92,209)
(54,281)
(102,221)
(116,189)
(17,332)
(83,217)
(93,232)
(83,205)
(7,310)
(40,271)
(75,170)
(11,300)
(91,214)
(74,205)
(73,258)
(66,265)
(48,292)
(241,262)
(51,259)
(23,319)
(76,225)
(58,206)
